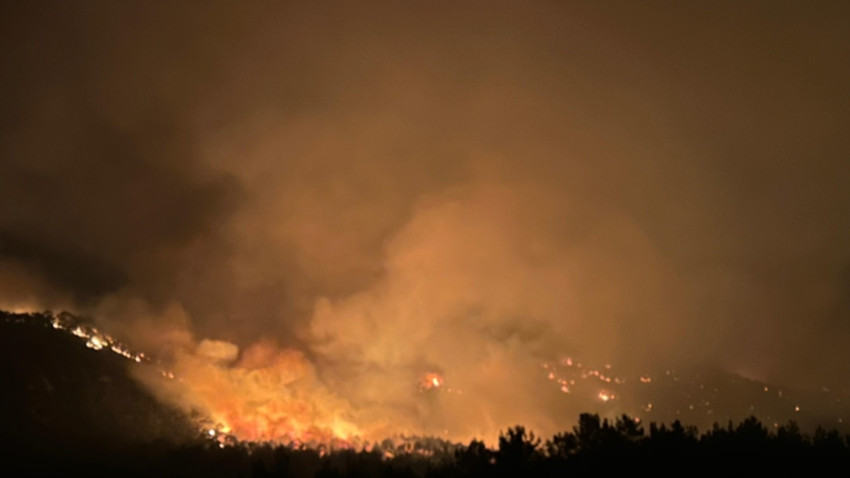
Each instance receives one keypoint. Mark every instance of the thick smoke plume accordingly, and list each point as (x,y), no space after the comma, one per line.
(310,208)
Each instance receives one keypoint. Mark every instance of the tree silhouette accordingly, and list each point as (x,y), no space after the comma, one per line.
(518,451)
(562,446)
(829,443)
(474,460)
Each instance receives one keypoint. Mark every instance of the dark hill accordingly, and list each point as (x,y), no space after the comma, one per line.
(61,399)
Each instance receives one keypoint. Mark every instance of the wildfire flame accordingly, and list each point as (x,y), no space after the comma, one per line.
(269,394)
(95,339)
(266,393)
(431,380)
(253,400)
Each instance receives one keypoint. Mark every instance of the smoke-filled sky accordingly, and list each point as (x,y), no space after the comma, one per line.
(388,189)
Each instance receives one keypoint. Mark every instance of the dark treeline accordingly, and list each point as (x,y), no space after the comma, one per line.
(593,445)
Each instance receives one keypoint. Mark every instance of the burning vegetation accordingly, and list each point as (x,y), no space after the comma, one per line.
(282,441)
(268,394)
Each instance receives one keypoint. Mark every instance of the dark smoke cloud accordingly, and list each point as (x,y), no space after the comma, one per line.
(643,183)
(100,172)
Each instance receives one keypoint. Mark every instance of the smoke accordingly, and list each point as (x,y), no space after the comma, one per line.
(316,206)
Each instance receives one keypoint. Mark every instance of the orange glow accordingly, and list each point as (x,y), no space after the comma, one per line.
(268,395)
(431,380)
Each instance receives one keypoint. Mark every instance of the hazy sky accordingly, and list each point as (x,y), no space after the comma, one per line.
(468,187)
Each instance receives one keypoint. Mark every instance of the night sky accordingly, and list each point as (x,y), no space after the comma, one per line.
(329,201)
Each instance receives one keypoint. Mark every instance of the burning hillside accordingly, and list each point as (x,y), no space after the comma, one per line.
(268,394)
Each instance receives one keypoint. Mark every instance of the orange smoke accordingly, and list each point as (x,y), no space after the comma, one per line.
(267,395)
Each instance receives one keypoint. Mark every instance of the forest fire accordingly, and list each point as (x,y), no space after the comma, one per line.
(268,394)
(95,339)
(253,400)
(605,395)
(431,380)
(332,224)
